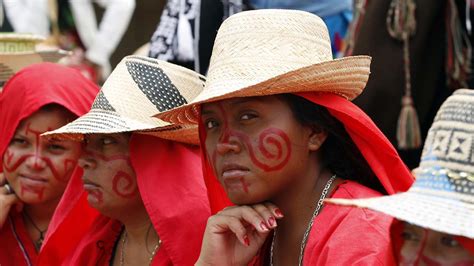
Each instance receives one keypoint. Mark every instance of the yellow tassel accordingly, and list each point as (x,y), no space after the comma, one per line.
(408,127)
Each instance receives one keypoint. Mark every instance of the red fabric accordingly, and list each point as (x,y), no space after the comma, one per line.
(25,93)
(467,243)
(374,146)
(350,236)
(12,235)
(346,235)
(174,195)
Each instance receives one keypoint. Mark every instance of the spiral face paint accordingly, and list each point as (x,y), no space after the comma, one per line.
(270,153)
(123,184)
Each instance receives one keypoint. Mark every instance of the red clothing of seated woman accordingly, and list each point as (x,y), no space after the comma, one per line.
(37,97)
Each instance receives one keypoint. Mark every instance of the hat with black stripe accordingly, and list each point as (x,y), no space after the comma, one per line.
(138,88)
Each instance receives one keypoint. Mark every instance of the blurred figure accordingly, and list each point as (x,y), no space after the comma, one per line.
(187,29)
(71,24)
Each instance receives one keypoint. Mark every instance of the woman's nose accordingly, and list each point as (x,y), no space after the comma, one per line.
(86,160)
(36,161)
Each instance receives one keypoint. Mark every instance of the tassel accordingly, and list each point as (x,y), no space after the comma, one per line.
(185,36)
(408,127)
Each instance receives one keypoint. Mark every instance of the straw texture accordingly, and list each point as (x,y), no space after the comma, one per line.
(266,52)
(138,88)
(442,197)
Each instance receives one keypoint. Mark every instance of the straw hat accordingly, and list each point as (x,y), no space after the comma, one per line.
(138,88)
(19,50)
(442,197)
(266,52)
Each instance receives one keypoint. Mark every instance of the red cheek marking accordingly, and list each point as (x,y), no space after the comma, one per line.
(38,191)
(11,165)
(123,185)
(273,159)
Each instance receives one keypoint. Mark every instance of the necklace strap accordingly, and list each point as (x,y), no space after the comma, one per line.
(310,224)
(124,242)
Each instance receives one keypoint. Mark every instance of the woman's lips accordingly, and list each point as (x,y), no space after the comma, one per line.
(33,181)
(233,177)
(90,186)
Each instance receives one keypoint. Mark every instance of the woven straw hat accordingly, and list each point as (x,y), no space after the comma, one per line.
(442,197)
(19,50)
(138,88)
(266,52)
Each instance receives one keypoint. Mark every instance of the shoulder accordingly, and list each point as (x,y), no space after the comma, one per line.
(343,235)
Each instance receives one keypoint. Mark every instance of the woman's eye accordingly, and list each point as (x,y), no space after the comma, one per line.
(19,141)
(247,116)
(56,147)
(107,141)
(211,124)
(449,241)
(409,236)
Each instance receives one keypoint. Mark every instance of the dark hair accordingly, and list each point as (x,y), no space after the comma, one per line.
(338,152)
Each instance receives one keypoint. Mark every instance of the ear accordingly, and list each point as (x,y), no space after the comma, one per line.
(316,138)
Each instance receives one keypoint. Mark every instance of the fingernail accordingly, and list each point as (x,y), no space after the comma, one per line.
(264,226)
(246,240)
(271,222)
(278,213)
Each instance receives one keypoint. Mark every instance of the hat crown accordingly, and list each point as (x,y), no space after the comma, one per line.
(154,85)
(447,161)
(254,46)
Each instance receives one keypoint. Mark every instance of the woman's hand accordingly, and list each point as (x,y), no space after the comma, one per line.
(8,198)
(235,235)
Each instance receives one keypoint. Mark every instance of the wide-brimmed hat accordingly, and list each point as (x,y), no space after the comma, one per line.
(266,52)
(138,88)
(442,197)
(19,50)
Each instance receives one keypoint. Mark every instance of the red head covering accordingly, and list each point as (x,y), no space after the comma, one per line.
(25,93)
(171,186)
(373,145)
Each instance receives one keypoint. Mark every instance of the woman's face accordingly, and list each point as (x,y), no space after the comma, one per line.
(38,169)
(432,248)
(109,177)
(256,146)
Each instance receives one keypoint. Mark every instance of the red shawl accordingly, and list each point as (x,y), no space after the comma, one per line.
(25,93)
(381,157)
(171,186)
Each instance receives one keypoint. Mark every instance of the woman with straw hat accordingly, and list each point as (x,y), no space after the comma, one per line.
(438,209)
(38,98)
(142,174)
(279,134)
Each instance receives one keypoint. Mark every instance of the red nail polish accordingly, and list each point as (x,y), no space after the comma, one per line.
(264,226)
(271,221)
(278,213)
(246,240)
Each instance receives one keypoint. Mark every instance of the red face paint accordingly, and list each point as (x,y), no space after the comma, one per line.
(272,151)
(11,163)
(123,185)
(39,191)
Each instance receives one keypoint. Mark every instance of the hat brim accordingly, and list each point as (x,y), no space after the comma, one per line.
(437,213)
(346,77)
(99,121)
